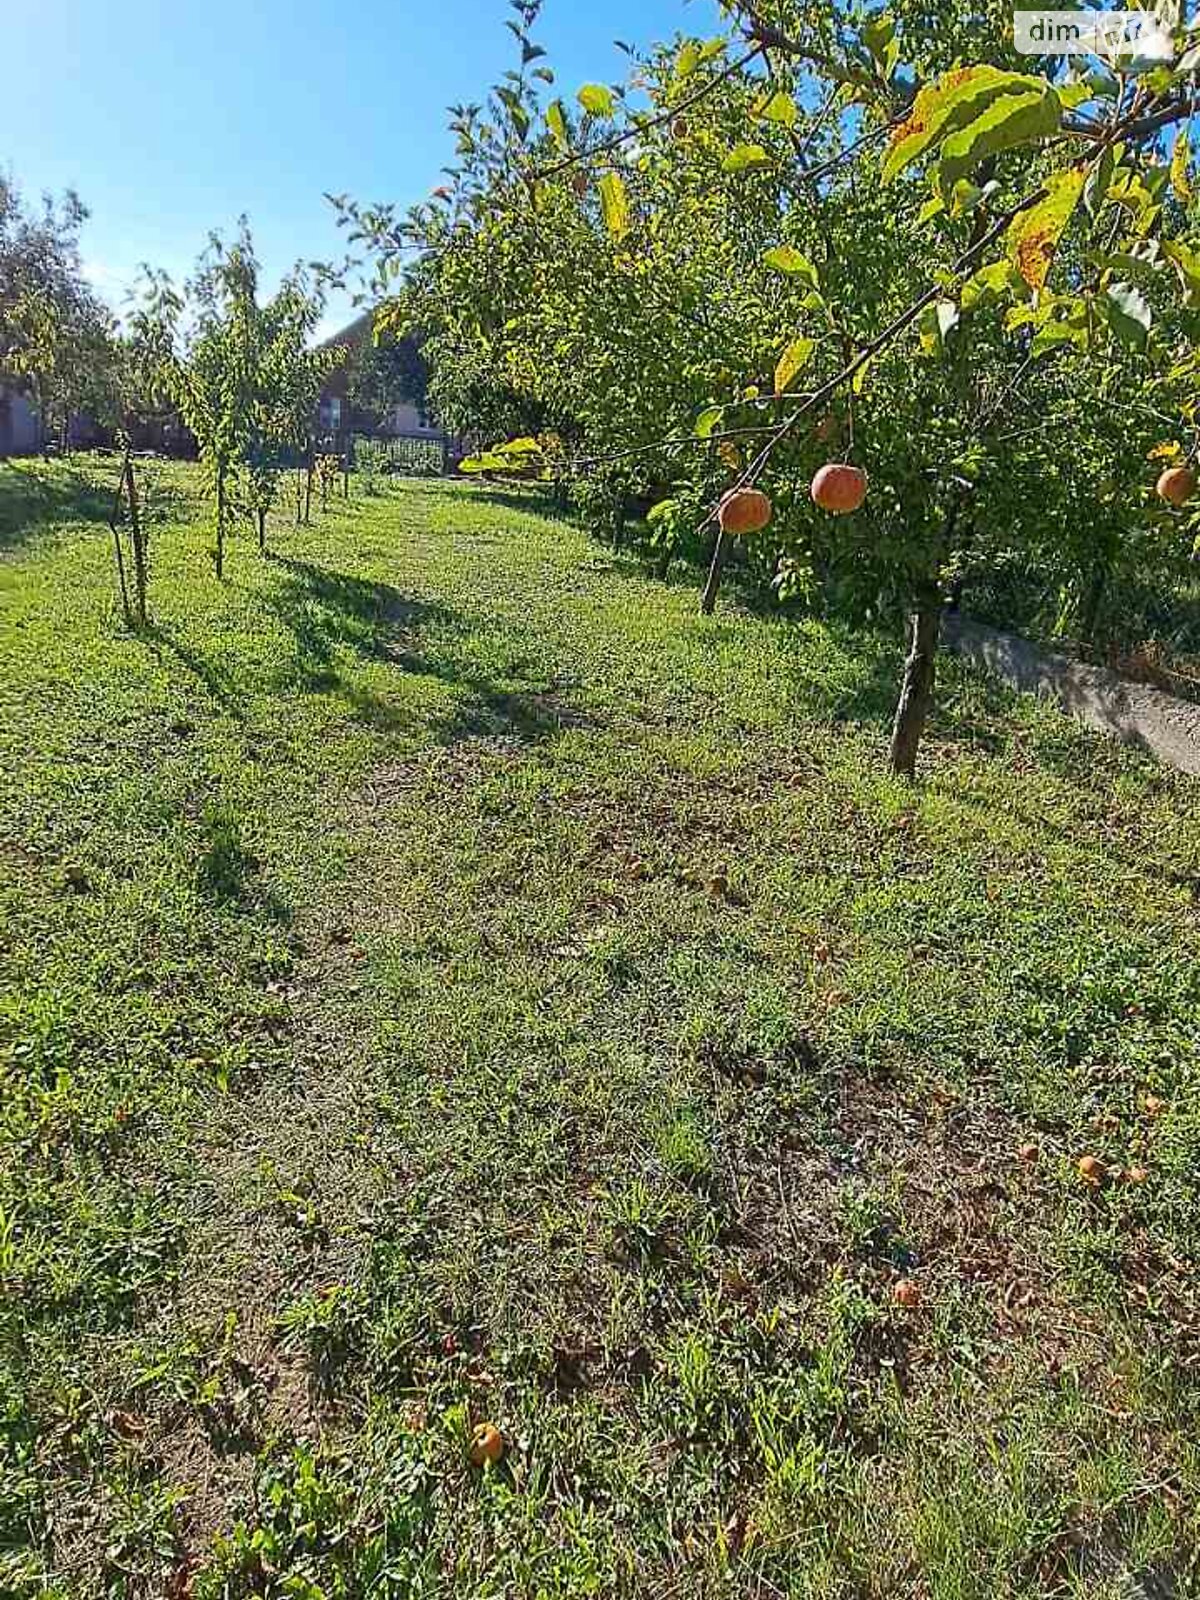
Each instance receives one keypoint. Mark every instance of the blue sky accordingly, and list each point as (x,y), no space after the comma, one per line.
(171,117)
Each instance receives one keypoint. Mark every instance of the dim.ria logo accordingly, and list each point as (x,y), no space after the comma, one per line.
(1111,35)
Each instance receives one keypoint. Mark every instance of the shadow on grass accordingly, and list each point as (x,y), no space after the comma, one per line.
(536,500)
(34,497)
(217,680)
(329,613)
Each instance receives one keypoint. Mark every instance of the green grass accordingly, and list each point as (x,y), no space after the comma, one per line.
(445,979)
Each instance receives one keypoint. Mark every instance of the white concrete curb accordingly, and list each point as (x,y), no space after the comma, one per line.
(1133,712)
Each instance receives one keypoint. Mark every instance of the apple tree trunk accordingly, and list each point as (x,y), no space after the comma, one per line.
(720,553)
(916,689)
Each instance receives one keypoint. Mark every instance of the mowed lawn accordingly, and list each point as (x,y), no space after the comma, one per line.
(445,979)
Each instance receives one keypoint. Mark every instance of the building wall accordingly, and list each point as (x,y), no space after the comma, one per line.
(20,429)
(410,422)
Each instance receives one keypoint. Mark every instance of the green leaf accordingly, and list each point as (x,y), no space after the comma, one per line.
(614,205)
(787,259)
(597,100)
(1071,95)
(746,158)
(711,48)
(1128,314)
(935,325)
(556,121)
(518,115)
(952,102)
(708,420)
(779,108)
(1033,235)
(1186,262)
(1053,334)
(1012,120)
(1095,190)
(878,34)
(687,60)
(1102,84)
(990,283)
(662,511)
(793,360)
(931,208)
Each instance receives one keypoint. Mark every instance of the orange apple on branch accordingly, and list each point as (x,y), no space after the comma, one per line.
(744,511)
(839,488)
(1176,485)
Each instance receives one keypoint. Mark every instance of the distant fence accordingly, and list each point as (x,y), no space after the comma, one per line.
(420,458)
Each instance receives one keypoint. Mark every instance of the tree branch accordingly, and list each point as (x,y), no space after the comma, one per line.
(607,146)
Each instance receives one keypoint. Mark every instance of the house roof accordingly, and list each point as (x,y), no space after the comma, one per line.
(353,333)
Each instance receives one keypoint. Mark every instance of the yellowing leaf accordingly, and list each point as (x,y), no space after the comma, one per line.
(1186,262)
(614,205)
(953,101)
(687,60)
(556,121)
(597,100)
(745,158)
(787,259)
(1033,236)
(779,108)
(791,362)
(1181,185)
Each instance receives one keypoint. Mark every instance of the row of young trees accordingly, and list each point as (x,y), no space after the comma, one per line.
(242,374)
(833,234)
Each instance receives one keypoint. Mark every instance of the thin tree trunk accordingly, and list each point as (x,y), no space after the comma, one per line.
(916,690)
(308,484)
(137,536)
(620,513)
(720,552)
(120,554)
(262,531)
(220,522)
(299,494)
(663,565)
(1090,619)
